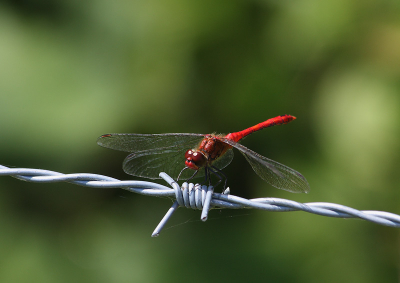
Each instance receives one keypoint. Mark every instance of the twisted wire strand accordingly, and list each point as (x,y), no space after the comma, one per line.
(199,197)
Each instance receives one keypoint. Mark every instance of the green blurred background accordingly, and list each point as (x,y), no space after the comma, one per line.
(71,71)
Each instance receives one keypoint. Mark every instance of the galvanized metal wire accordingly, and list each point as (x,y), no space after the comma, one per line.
(199,197)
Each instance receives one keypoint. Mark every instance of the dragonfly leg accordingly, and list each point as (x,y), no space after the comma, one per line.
(206,176)
(219,176)
(209,175)
(184,168)
(194,174)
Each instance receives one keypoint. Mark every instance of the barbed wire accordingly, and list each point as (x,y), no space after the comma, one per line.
(200,197)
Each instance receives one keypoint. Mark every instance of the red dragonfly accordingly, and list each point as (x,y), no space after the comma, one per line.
(155,153)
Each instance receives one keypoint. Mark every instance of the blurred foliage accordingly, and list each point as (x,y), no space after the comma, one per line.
(72,70)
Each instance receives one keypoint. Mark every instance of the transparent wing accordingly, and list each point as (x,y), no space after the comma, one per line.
(149,164)
(152,154)
(145,142)
(224,160)
(276,174)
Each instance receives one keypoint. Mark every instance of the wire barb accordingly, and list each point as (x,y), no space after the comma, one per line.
(199,197)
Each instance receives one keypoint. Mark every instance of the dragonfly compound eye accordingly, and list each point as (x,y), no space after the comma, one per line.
(194,159)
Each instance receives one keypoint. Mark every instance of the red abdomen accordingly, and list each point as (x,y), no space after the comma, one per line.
(279,120)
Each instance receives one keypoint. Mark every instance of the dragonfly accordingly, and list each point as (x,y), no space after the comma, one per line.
(202,154)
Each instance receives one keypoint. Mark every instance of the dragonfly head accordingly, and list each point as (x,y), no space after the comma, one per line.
(195,159)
